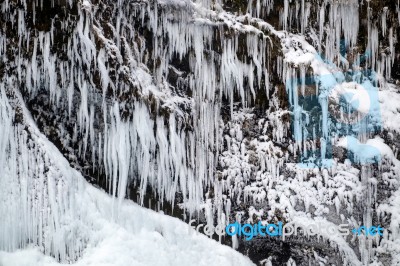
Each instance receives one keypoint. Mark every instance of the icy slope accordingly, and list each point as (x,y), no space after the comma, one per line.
(140,237)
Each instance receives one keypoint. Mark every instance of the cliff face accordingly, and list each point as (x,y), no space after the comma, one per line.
(225,110)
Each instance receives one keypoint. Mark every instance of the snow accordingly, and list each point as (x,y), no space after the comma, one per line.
(389,97)
(140,237)
(373,149)
(355,94)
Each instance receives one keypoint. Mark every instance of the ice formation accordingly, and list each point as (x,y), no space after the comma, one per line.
(140,116)
(55,215)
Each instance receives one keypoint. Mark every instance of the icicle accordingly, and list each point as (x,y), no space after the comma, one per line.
(391,45)
(398,10)
(373,42)
(321,25)
(284,17)
(383,20)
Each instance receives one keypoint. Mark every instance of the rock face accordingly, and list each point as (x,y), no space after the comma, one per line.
(272,111)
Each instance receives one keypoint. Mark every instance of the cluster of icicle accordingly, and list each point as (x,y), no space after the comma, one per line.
(340,30)
(37,192)
(158,150)
(151,151)
(336,34)
(340,25)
